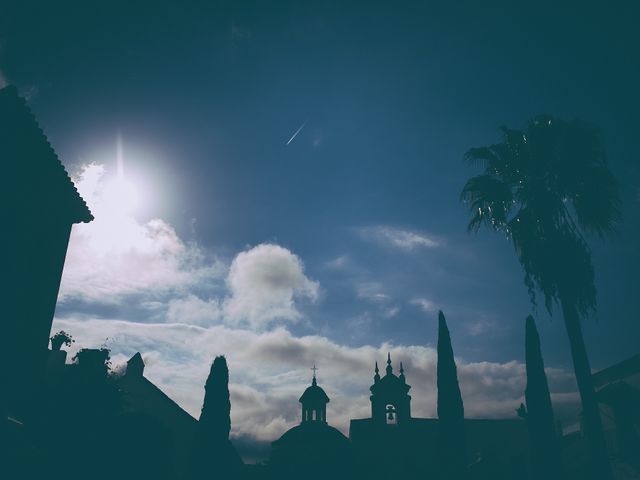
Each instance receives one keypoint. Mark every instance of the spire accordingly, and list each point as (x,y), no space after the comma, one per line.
(376,377)
(402,373)
(313,381)
(389,367)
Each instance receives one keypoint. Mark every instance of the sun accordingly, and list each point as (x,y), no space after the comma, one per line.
(116,200)
(121,197)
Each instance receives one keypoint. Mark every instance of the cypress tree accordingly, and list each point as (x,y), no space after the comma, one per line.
(545,456)
(213,455)
(215,417)
(452,438)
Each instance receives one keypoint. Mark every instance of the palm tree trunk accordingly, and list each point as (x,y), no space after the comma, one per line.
(598,457)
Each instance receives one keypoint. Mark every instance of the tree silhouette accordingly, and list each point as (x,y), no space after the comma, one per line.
(215,417)
(59,339)
(452,442)
(539,413)
(543,188)
(213,453)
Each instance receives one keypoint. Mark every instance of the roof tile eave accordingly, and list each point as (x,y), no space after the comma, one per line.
(79,211)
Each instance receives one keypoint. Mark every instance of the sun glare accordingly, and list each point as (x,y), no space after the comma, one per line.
(121,196)
(117,200)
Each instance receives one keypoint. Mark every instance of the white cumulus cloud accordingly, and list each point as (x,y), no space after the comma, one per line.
(264,283)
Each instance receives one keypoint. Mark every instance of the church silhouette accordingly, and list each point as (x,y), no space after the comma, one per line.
(391,443)
(312,449)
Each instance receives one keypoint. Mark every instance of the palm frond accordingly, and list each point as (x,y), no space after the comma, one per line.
(489,200)
(554,176)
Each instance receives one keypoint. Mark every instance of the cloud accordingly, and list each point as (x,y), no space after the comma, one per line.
(121,262)
(338,263)
(270,370)
(193,310)
(480,327)
(391,311)
(116,255)
(406,240)
(264,283)
(425,305)
(372,291)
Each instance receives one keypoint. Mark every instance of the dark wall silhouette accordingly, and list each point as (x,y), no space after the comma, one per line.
(74,420)
(143,448)
(40,204)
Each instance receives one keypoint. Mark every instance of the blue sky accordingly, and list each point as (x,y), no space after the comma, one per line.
(344,243)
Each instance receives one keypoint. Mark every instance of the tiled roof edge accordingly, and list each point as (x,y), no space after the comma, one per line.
(83,213)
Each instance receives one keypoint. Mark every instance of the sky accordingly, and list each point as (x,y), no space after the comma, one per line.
(222,234)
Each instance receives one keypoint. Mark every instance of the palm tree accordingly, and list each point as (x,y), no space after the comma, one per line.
(545,188)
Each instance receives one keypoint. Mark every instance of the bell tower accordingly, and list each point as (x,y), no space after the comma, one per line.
(314,402)
(390,399)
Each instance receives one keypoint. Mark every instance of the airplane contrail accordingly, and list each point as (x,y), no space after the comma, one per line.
(297,132)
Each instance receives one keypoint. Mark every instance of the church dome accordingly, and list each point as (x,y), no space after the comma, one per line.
(312,450)
(314,435)
(314,394)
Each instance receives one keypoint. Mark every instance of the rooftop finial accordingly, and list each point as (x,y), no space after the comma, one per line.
(376,377)
(389,367)
(314,368)
(401,369)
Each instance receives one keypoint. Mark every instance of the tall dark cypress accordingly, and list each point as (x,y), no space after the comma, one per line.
(215,417)
(452,441)
(545,455)
(213,455)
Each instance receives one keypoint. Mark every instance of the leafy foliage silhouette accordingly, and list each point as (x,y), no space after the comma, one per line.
(59,339)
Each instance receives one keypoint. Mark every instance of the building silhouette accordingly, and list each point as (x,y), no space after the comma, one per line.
(40,204)
(618,393)
(390,399)
(313,449)
(142,399)
(393,444)
(84,400)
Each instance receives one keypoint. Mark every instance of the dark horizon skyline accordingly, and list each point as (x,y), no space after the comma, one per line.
(358,215)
